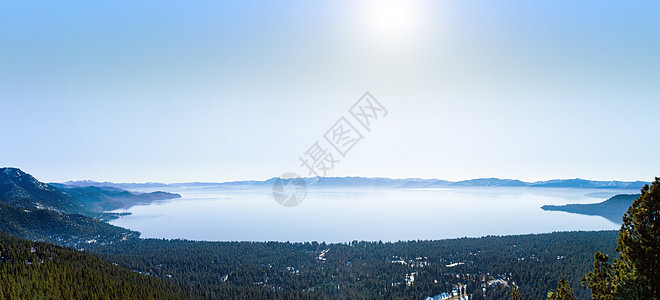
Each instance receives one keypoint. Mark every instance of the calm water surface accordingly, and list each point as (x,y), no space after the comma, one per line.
(345,214)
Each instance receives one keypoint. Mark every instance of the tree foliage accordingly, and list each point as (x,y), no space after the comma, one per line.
(635,274)
(563,292)
(515,295)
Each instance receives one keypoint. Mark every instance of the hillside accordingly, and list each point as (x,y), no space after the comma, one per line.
(22,190)
(37,211)
(33,270)
(73,230)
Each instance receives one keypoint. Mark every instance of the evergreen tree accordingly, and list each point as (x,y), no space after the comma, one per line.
(639,237)
(515,295)
(563,292)
(635,274)
(601,279)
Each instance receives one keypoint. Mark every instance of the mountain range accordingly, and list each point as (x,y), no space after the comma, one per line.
(383,182)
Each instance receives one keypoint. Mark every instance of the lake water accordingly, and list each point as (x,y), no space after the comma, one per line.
(346,214)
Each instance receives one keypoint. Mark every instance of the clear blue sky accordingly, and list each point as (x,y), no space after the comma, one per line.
(171,91)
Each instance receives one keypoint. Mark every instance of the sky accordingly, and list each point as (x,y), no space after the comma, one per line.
(177,91)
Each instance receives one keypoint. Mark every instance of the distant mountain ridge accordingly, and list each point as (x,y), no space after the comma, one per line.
(490,182)
(102,199)
(583,183)
(385,182)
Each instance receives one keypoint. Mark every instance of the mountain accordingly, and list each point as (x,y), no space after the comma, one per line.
(612,209)
(37,211)
(22,190)
(490,182)
(360,181)
(101,199)
(379,182)
(88,183)
(424,183)
(595,184)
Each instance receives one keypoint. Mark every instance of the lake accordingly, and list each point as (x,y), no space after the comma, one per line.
(346,214)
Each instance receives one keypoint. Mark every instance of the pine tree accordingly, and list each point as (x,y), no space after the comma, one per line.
(601,279)
(515,295)
(635,273)
(639,237)
(563,292)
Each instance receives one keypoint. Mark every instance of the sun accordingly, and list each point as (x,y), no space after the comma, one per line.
(391,21)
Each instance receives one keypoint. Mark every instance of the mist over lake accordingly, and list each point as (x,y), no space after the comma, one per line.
(340,214)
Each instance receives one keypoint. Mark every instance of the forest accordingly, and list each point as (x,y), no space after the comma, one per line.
(37,270)
(488,267)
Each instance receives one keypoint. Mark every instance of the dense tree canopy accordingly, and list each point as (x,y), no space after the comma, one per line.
(486,268)
(33,270)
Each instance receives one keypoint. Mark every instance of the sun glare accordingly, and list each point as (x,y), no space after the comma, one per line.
(391,21)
